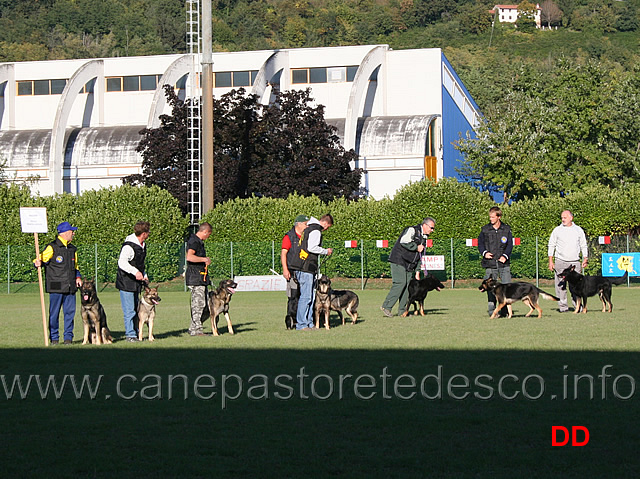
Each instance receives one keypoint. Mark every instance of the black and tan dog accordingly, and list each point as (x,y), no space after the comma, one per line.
(94,319)
(218,303)
(293,296)
(507,294)
(418,289)
(581,287)
(328,299)
(147,310)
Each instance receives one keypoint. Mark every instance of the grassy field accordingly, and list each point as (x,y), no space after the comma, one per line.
(453,394)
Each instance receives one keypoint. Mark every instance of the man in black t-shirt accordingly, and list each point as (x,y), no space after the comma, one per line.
(197,276)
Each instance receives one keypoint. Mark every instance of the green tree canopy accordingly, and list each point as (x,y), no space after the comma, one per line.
(557,132)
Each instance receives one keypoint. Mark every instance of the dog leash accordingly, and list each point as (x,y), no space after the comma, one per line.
(205,272)
(321,262)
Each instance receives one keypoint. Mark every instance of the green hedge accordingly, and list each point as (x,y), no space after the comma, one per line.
(103,217)
(254,228)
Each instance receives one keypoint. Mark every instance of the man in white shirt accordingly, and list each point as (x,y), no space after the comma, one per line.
(566,243)
(131,274)
(306,266)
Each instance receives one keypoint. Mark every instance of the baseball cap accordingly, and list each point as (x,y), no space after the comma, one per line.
(300,219)
(66,226)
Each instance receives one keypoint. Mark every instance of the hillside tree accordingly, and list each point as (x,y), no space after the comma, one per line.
(550,14)
(573,128)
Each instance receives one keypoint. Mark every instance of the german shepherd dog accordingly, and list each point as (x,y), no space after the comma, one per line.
(507,294)
(418,289)
(328,299)
(94,319)
(147,310)
(293,295)
(582,287)
(218,303)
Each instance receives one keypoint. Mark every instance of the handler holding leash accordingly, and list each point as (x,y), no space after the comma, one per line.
(404,259)
(567,241)
(305,266)
(495,244)
(197,276)
(131,274)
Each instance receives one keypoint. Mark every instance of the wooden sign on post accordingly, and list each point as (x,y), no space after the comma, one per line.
(34,220)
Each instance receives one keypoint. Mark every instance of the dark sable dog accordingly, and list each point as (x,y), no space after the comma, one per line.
(507,294)
(147,310)
(218,303)
(94,319)
(328,299)
(582,287)
(293,295)
(418,289)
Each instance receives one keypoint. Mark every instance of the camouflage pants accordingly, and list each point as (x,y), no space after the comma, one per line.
(198,307)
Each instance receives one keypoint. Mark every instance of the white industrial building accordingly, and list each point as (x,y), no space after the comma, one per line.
(74,123)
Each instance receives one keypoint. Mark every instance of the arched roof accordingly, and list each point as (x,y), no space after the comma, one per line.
(114,145)
(388,136)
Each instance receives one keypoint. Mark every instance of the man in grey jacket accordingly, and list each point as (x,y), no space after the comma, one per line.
(566,243)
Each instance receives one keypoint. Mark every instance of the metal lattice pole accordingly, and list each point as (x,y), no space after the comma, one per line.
(194,168)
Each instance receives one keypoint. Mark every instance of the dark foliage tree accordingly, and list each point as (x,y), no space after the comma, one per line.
(269,151)
(628,19)
(427,12)
(234,118)
(164,152)
(296,150)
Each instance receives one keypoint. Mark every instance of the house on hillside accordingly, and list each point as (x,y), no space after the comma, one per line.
(75,123)
(509,13)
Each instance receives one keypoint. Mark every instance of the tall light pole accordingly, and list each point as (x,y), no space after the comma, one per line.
(206,185)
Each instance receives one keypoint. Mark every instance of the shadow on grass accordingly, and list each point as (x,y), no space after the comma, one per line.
(356,413)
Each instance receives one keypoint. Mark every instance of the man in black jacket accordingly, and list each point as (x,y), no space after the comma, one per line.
(404,259)
(62,278)
(130,275)
(306,266)
(495,244)
(197,276)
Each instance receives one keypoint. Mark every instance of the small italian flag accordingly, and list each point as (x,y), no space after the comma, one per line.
(382,243)
(472,242)
(351,244)
(604,239)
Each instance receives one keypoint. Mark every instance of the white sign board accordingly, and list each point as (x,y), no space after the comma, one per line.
(270,282)
(33,220)
(433,263)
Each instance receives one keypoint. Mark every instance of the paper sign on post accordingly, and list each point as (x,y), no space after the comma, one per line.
(261,283)
(33,220)
(433,263)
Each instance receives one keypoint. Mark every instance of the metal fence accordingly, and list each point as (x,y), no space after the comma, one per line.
(365,260)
